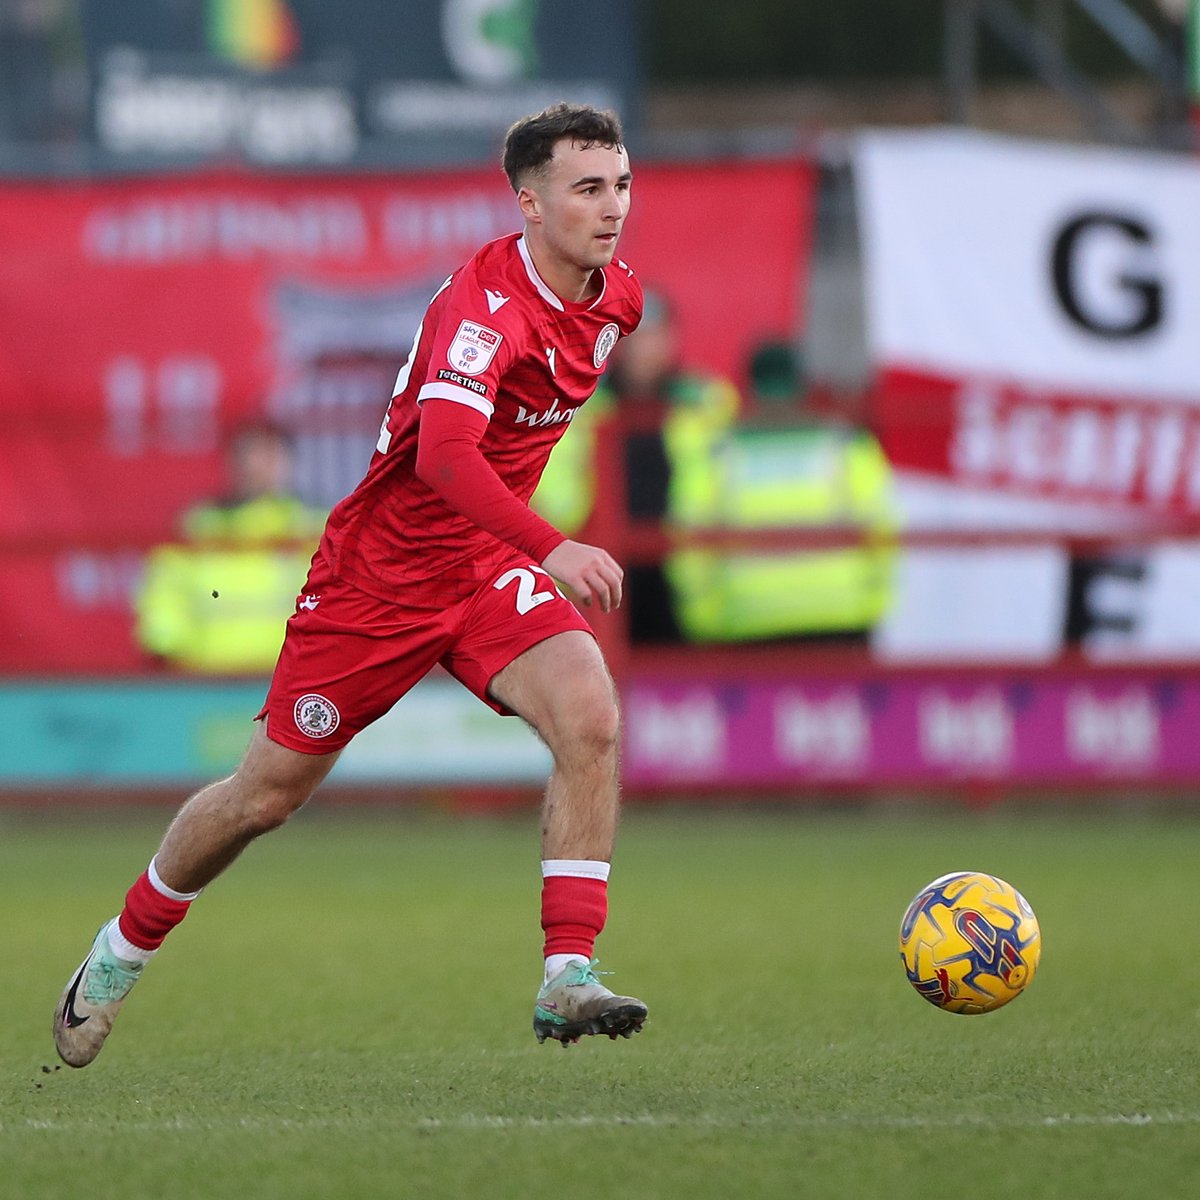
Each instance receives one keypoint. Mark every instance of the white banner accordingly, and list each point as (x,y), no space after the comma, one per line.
(1069,268)
(1033,316)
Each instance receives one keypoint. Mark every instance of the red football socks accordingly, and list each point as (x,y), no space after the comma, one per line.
(574,905)
(152,910)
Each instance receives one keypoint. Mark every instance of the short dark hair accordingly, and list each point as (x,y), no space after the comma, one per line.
(529,144)
(256,429)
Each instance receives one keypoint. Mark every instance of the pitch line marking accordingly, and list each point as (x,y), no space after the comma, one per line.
(646,1121)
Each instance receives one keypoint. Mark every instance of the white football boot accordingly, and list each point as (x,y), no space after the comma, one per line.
(575,1003)
(90,1002)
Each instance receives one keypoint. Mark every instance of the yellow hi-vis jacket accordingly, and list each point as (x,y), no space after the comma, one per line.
(733,477)
(566,492)
(779,478)
(217,604)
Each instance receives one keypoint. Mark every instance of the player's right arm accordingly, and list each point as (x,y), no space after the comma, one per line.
(450,462)
(590,572)
(469,353)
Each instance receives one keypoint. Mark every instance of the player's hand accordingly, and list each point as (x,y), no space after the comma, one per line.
(590,573)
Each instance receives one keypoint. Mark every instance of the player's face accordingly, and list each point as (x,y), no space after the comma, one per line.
(580,202)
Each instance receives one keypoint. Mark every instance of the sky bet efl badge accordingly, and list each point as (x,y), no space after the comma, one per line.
(473,348)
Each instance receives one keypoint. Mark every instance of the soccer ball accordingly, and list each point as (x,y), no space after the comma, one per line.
(969,942)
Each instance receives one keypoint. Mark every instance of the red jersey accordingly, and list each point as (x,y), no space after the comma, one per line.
(496,339)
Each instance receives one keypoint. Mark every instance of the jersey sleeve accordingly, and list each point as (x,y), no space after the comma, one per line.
(450,462)
(471,348)
(631,299)
(637,302)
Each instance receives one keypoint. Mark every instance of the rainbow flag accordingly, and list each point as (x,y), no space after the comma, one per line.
(255,33)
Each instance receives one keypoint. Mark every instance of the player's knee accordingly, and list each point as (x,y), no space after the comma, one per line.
(271,783)
(593,723)
(269,808)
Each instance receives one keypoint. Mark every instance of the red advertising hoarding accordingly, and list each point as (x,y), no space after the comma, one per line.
(143,319)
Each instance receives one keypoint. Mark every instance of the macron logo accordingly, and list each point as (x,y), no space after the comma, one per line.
(495,300)
(550,353)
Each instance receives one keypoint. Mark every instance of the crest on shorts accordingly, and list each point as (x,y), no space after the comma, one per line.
(604,344)
(473,348)
(316,717)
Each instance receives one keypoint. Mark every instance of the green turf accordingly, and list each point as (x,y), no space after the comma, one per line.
(346,1014)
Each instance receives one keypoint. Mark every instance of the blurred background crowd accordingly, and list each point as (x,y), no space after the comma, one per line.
(903,463)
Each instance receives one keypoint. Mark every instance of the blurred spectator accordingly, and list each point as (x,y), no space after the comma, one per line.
(695,460)
(217,600)
(783,467)
(669,409)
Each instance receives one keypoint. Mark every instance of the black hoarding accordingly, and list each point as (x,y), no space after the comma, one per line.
(302,82)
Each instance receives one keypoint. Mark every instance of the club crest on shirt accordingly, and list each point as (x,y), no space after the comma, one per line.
(604,344)
(473,348)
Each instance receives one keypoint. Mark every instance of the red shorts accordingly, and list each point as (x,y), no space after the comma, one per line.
(347,657)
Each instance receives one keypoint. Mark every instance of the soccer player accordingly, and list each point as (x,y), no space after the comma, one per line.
(436,557)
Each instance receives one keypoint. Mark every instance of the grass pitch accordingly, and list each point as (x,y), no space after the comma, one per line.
(346,1014)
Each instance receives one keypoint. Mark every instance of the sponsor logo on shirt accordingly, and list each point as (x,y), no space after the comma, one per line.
(604,344)
(552,416)
(474,347)
(463,382)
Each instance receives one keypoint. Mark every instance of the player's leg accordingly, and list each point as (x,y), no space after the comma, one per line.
(208,833)
(562,688)
(345,661)
(221,820)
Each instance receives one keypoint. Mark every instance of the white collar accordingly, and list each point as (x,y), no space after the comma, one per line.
(540,284)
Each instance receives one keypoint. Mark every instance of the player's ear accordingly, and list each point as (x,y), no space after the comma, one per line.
(530,204)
